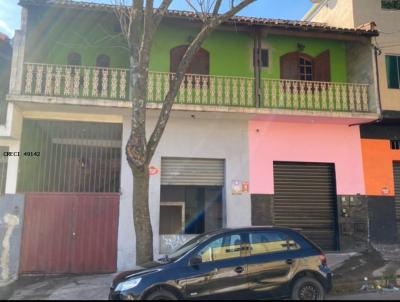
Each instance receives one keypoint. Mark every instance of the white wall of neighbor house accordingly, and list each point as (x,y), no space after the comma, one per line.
(188,135)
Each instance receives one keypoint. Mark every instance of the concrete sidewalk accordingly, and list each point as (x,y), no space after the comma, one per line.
(63,288)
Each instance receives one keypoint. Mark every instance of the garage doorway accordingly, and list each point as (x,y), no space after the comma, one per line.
(305,198)
(71,181)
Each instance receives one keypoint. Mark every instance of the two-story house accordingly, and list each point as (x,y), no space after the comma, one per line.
(380,139)
(259,133)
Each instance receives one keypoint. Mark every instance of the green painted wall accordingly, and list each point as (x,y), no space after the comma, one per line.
(279,46)
(53,34)
(92,34)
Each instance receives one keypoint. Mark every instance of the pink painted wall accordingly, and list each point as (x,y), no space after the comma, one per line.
(305,142)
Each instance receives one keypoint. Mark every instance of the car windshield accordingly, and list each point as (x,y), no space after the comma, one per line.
(188,246)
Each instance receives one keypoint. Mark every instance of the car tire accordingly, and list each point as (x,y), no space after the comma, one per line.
(307,288)
(161,294)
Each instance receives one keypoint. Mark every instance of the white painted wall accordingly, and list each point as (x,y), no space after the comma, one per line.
(207,135)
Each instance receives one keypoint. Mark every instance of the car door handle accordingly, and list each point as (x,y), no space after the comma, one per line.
(239,270)
(290,261)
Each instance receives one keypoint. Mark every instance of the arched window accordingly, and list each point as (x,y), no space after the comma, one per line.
(199,65)
(305,68)
(300,66)
(74,59)
(103,61)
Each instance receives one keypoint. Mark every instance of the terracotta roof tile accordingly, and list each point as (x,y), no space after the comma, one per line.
(275,23)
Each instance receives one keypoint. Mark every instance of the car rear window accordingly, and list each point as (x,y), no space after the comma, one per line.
(266,242)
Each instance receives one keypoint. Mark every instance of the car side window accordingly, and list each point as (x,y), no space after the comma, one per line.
(226,247)
(271,242)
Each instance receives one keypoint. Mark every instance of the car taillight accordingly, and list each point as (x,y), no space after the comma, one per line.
(324,261)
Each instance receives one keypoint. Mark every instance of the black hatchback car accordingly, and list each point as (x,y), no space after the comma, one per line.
(247,263)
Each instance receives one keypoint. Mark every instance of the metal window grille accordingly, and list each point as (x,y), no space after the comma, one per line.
(64,156)
(3,169)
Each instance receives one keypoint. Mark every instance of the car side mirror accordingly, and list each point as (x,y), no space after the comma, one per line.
(195,261)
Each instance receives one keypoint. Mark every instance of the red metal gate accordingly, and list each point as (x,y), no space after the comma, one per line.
(70,233)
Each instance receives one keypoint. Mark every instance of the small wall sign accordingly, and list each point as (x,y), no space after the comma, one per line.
(239,187)
(153,170)
(236,187)
(245,187)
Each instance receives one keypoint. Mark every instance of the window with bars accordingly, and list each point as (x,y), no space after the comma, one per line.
(393,71)
(391,4)
(395,144)
(264,58)
(70,157)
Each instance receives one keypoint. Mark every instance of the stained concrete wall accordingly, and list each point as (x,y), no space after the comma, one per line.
(11,221)
(190,135)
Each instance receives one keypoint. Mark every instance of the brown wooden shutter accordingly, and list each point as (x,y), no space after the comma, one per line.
(290,66)
(322,67)
(200,63)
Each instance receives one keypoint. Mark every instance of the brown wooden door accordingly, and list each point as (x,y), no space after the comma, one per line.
(70,233)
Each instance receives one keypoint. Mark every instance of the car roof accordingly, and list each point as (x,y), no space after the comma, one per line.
(251,229)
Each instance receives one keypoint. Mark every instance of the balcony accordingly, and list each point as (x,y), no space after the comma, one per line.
(207,90)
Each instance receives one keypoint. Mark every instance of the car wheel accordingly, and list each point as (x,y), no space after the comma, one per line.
(161,294)
(308,289)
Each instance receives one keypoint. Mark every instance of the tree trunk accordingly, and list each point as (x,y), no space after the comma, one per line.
(141,214)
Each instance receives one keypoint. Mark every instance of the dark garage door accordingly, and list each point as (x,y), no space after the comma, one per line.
(305,198)
(397,190)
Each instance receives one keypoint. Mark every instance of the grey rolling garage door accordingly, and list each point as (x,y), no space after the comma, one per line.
(305,198)
(192,172)
(396,168)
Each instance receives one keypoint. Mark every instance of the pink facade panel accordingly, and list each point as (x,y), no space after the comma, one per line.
(305,142)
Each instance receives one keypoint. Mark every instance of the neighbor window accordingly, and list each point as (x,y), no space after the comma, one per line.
(395,144)
(391,4)
(264,58)
(393,71)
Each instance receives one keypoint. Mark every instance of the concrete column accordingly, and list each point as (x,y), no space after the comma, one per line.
(126,229)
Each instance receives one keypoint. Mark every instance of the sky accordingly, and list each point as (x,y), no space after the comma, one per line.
(279,9)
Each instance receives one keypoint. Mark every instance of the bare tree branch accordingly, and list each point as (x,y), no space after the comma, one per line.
(182,68)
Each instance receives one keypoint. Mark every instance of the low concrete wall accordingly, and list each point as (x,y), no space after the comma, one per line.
(11,222)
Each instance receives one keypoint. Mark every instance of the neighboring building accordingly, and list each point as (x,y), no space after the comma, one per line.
(5,65)
(381,139)
(255,137)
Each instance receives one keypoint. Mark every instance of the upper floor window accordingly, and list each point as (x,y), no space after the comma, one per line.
(300,66)
(199,65)
(391,4)
(103,61)
(264,58)
(393,71)
(306,69)
(395,144)
(74,59)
